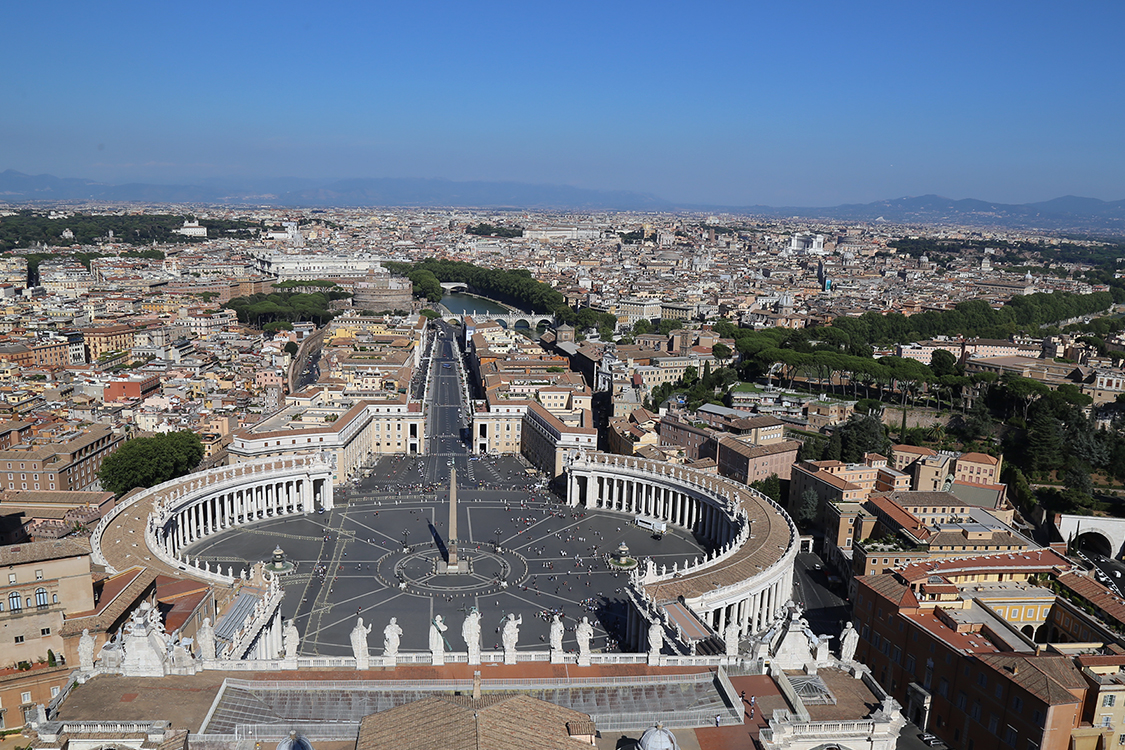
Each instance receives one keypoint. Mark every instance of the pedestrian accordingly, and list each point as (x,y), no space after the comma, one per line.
(742,696)
(718,719)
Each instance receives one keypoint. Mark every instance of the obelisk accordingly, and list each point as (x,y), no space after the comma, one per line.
(451,543)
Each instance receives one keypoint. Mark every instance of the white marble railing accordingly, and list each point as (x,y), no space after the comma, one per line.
(191,488)
(487,657)
(258,619)
(733,501)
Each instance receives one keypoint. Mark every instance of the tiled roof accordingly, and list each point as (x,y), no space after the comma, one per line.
(1112,605)
(495,722)
(19,554)
(1048,677)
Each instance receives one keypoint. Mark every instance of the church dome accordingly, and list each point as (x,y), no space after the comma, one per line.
(295,741)
(658,738)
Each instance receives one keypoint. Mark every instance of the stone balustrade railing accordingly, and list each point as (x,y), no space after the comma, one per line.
(186,490)
(724,508)
(257,620)
(740,663)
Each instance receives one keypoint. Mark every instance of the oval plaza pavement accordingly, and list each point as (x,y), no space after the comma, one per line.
(347,558)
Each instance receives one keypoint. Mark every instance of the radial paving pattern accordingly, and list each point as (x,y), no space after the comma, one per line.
(351,561)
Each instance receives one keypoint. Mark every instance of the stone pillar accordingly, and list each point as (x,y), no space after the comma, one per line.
(326,495)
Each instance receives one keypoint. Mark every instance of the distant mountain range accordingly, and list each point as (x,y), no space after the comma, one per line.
(1067,214)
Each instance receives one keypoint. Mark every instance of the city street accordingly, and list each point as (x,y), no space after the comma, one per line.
(825,610)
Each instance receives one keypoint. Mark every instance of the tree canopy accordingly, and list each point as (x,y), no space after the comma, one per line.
(282,306)
(29,228)
(148,461)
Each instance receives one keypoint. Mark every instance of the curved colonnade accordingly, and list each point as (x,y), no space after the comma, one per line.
(182,511)
(746,580)
(220,499)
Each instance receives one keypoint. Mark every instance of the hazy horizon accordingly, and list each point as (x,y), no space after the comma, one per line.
(809,104)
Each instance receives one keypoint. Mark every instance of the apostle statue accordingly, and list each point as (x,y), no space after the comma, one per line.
(86,651)
(437,640)
(358,638)
(849,639)
(655,638)
(584,633)
(290,640)
(556,633)
(470,631)
(205,637)
(391,635)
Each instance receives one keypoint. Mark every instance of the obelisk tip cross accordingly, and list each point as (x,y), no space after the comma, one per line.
(451,545)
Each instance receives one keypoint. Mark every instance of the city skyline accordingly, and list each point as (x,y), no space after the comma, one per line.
(796,106)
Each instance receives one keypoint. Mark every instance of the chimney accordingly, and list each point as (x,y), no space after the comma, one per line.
(476,685)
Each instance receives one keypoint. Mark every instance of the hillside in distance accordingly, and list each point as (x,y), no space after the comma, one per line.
(16,187)
(1068,214)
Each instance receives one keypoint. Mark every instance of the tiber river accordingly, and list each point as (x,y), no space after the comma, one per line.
(479,308)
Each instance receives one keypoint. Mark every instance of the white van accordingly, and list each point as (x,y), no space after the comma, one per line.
(657,527)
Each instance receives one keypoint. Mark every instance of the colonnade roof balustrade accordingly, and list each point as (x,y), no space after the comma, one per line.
(772,534)
(119,540)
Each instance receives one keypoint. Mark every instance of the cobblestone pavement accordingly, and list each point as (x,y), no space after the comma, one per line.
(351,562)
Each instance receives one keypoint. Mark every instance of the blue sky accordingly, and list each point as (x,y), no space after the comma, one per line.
(729,103)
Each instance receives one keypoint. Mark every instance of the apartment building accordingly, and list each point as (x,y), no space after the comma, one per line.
(106,339)
(347,433)
(64,459)
(959,644)
(548,441)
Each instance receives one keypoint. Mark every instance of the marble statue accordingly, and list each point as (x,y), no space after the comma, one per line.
(470,631)
(584,633)
(556,633)
(849,639)
(655,638)
(437,640)
(205,637)
(290,639)
(86,651)
(511,632)
(391,635)
(730,638)
(359,643)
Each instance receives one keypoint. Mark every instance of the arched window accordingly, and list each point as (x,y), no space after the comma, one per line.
(41,597)
(14,602)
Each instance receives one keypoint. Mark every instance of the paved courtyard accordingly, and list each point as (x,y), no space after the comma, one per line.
(530,554)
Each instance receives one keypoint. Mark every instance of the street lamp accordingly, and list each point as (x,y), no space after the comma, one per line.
(405,534)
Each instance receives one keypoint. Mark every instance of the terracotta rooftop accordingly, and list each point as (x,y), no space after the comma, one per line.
(1026,561)
(1049,677)
(29,552)
(496,722)
(1111,605)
